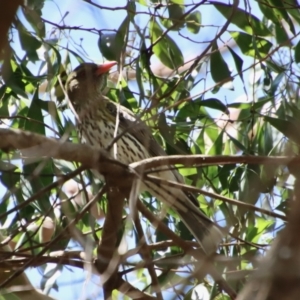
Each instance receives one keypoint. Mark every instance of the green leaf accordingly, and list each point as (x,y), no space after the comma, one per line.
(275,11)
(160,236)
(10,179)
(264,138)
(254,233)
(131,8)
(35,123)
(35,4)
(275,83)
(297,52)
(270,13)
(291,4)
(250,45)
(125,96)
(175,20)
(33,16)
(179,2)
(139,71)
(166,49)
(240,105)
(193,22)
(256,105)
(28,43)
(44,169)
(184,232)
(4,102)
(218,67)
(290,128)
(216,148)
(111,45)
(275,66)
(242,19)
(78,57)
(143,2)
(238,63)
(50,107)
(165,131)
(189,110)
(215,104)
(12,77)
(55,66)
(281,34)
(238,144)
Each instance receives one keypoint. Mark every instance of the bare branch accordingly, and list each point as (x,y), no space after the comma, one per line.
(199,160)
(35,145)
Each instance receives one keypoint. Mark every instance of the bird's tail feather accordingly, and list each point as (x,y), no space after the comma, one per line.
(208,234)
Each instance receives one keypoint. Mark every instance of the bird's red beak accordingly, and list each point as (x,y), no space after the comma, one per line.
(104,68)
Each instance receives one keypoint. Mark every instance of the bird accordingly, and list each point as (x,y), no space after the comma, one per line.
(96,121)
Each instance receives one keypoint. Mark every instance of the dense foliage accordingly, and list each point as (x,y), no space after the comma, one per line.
(208,77)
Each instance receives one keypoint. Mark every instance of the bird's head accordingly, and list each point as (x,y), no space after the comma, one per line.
(87,82)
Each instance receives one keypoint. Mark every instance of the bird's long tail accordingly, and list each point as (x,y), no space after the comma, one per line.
(206,232)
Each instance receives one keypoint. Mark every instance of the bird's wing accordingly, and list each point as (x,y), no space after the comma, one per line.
(142,133)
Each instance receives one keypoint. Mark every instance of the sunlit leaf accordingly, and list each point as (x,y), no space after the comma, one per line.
(179,2)
(242,19)
(250,45)
(165,48)
(175,20)
(275,11)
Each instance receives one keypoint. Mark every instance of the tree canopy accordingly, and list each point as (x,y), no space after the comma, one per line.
(217,82)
